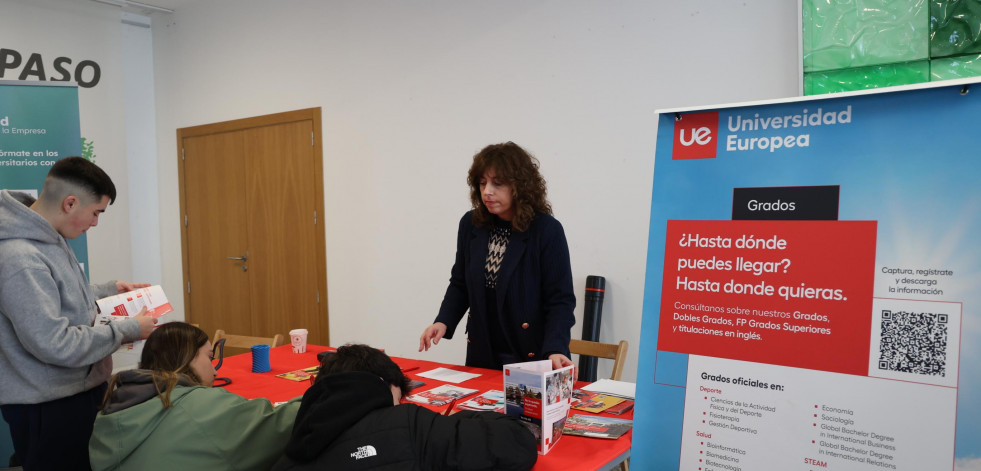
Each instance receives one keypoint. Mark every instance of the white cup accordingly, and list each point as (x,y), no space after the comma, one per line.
(298,338)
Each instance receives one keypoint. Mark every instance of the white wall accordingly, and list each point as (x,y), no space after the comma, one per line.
(141,148)
(84,31)
(411,90)
(116,115)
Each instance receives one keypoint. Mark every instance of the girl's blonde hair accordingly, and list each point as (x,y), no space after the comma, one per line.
(167,353)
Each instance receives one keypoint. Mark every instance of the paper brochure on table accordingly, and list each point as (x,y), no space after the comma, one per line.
(540,397)
(440,395)
(622,408)
(597,426)
(447,375)
(597,402)
(492,400)
(303,374)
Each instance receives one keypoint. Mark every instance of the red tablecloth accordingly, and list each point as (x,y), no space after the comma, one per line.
(570,453)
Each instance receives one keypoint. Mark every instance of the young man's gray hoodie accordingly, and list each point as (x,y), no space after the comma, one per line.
(49,345)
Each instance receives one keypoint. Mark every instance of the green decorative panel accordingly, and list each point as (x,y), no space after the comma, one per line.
(840,34)
(955,27)
(861,78)
(955,67)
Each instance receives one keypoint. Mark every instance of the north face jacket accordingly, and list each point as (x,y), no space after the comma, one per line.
(347,421)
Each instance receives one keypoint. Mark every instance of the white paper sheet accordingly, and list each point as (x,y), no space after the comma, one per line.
(613,388)
(448,375)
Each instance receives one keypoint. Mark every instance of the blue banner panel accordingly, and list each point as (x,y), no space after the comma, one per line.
(811,296)
(39,124)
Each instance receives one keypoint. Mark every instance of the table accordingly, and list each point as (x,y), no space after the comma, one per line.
(570,453)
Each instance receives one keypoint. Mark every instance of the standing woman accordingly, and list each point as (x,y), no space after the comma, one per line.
(512,268)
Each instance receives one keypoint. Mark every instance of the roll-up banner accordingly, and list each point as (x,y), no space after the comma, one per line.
(39,124)
(811,299)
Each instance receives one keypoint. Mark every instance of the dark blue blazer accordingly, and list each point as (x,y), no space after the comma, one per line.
(535,300)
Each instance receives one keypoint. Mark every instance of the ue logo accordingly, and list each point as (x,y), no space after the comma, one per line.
(695,136)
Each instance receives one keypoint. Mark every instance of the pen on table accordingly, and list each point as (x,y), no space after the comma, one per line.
(406,370)
(449,408)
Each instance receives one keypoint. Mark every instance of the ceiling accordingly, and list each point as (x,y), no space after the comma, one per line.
(134,7)
(168,4)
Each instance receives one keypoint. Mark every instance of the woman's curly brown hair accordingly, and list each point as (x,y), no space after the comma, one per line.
(516,168)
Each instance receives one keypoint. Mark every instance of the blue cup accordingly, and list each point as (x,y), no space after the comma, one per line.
(260,359)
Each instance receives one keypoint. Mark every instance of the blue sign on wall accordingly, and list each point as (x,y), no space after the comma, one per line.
(39,124)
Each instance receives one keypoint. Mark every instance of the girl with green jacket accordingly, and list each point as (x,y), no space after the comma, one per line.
(167,416)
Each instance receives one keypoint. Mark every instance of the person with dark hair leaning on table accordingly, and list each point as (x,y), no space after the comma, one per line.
(54,361)
(166,415)
(512,268)
(351,419)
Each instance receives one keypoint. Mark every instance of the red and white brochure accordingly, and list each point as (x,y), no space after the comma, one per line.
(130,303)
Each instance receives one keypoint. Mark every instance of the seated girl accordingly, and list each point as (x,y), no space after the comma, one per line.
(166,415)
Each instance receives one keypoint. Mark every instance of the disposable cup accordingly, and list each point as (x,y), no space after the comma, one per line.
(298,338)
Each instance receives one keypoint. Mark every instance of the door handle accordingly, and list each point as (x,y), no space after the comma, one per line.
(242,258)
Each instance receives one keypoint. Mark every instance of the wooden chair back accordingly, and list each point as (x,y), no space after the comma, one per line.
(612,351)
(245,341)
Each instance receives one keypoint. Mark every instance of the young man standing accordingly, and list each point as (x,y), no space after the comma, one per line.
(54,361)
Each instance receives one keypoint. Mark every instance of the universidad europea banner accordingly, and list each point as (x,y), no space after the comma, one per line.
(811,298)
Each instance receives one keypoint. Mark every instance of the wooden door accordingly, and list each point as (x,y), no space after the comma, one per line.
(217,289)
(253,189)
(281,226)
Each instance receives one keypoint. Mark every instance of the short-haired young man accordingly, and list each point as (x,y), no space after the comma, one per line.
(54,361)
(351,419)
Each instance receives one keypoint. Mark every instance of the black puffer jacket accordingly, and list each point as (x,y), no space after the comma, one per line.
(347,421)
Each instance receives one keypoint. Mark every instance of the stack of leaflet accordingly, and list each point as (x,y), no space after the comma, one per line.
(613,388)
(609,389)
(596,402)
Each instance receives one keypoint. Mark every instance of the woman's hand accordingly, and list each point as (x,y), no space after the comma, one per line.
(560,361)
(432,335)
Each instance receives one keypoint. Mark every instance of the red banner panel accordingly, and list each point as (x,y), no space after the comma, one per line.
(792,293)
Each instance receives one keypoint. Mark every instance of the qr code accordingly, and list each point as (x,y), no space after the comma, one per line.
(914,342)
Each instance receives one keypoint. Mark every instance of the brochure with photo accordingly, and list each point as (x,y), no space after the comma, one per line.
(540,397)
(598,403)
(597,426)
(440,395)
(305,374)
(492,400)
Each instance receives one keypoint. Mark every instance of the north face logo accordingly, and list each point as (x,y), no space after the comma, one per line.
(366,451)
(695,136)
